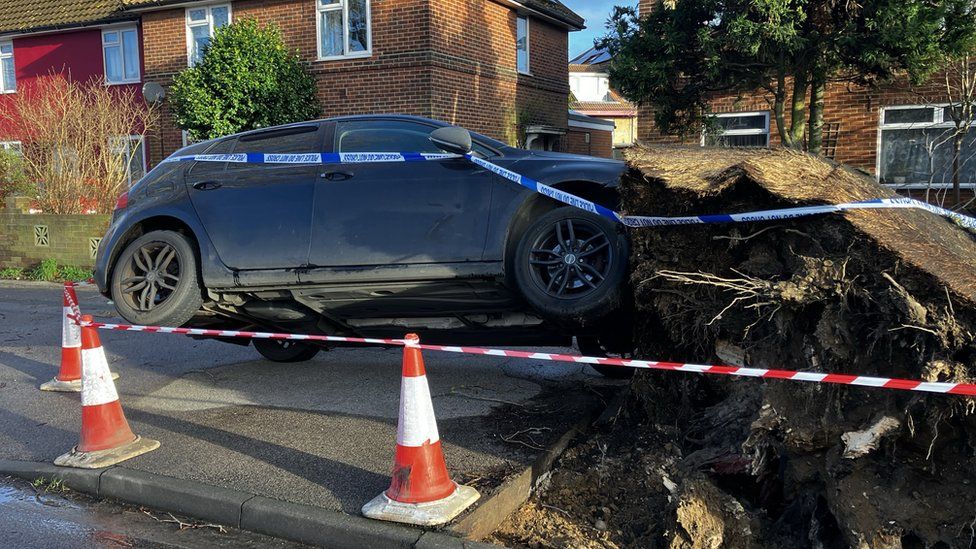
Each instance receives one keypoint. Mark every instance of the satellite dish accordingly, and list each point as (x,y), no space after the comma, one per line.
(153,92)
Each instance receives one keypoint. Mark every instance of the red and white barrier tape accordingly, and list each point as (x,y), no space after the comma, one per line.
(234,333)
(813,377)
(69,296)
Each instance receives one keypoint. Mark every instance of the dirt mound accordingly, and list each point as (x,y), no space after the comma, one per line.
(742,463)
(874,292)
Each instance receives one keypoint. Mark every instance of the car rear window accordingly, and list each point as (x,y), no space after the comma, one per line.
(302,139)
(384,136)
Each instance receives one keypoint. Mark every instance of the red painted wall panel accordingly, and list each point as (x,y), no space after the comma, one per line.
(77,54)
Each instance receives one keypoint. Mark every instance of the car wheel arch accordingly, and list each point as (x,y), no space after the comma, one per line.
(538,204)
(150,224)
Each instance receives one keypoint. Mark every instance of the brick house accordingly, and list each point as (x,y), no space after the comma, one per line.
(495,66)
(888,131)
(86,41)
(592,95)
(498,67)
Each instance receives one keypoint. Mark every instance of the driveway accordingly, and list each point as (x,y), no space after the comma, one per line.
(319,433)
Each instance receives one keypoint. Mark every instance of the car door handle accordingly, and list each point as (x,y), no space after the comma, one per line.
(337,176)
(206,185)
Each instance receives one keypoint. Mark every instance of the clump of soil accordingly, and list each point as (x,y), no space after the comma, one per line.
(712,462)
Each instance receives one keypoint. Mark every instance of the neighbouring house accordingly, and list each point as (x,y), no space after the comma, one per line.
(494,66)
(84,40)
(589,135)
(889,131)
(593,96)
(498,67)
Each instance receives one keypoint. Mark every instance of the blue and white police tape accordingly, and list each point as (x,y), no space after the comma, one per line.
(573,200)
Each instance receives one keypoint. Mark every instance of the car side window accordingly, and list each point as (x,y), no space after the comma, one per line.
(383,136)
(298,139)
(225,146)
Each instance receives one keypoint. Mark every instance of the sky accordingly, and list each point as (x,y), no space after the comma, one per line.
(596,13)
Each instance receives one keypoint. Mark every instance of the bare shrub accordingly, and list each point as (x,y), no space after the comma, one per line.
(71,134)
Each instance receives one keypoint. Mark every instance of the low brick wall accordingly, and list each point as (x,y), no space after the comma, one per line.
(27,239)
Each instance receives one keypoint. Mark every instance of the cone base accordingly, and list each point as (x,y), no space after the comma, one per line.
(73,386)
(431,513)
(105,458)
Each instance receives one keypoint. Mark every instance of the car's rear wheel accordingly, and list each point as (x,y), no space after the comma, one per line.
(570,265)
(155,280)
(284,350)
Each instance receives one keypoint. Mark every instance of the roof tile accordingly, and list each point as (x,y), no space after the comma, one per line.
(36,15)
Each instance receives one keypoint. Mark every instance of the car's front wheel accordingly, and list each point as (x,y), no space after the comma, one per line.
(283,350)
(571,265)
(155,280)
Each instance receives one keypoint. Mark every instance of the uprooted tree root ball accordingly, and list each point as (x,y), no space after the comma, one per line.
(750,463)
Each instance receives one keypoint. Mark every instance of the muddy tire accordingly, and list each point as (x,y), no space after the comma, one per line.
(571,265)
(283,350)
(156,281)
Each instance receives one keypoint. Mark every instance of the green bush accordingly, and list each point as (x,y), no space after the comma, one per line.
(74,274)
(247,79)
(11,273)
(13,177)
(46,270)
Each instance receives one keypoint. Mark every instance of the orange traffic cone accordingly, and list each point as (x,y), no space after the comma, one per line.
(106,438)
(421,491)
(68,379)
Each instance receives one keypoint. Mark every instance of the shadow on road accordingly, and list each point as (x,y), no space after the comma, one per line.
(33,368)
(316,469)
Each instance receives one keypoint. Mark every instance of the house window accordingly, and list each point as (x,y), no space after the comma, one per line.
(522,44)
(12,146)
(343,28)
(591,87)
(200,26)
(8,74)
(915,148)
(132,153)
(741,129)
(120,51)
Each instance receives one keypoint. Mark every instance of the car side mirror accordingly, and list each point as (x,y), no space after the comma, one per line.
(452,139)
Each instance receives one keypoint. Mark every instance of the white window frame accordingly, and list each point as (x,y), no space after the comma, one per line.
(119,31)
(126,141)
(938,121)
(3,85)
(528,46)
(758,131)
(188,25)
(343,5)
(16,146)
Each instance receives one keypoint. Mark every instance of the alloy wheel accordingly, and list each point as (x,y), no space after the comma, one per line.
(571,259)
(151,276)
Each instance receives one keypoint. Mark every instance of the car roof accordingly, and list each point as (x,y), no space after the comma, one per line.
(204,145)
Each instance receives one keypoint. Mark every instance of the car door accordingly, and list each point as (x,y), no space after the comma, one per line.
(390,213)
(259,216)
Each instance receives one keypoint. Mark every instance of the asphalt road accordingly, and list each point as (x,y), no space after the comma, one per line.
(42,518)
(319,433)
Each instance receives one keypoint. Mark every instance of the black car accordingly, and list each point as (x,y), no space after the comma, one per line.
(444,248)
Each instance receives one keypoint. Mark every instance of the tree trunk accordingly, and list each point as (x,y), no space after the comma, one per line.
(798,108)
(779,108)
(956,151)
(818,88)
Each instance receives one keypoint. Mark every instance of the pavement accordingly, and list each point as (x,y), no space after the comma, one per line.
(42,518)
(318,433)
